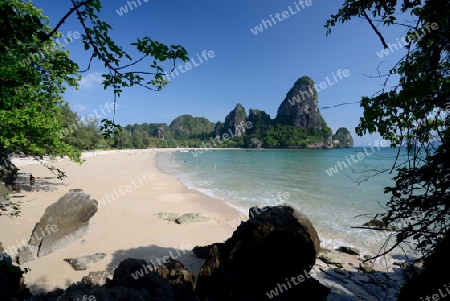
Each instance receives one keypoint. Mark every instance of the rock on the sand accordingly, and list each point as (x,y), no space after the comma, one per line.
(366,268)
(25,254)
(331,258)
(167,216)
(4,195)
(275,244)
(349,250)
(380,225)
(63,222)
(94,278)
(84,262)
(192,218)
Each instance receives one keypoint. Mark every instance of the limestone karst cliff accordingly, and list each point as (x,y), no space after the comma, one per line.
(298,124)
(235,121)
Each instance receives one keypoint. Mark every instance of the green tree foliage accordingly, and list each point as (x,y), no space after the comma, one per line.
(286,136)
(137,138)
(413,113)
(123,139)
(30,93)
(186,126)
(34,73)
(197,133)
(280,133)
(82,133)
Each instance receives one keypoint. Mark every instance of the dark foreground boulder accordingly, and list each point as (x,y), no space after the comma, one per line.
(269,255)
(203,252)
(432,282)
(8,171)
(12,285)
(181,280)
(131,274)
(62,223)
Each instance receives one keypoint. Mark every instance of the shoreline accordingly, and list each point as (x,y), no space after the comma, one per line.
(238,209)
(328,240)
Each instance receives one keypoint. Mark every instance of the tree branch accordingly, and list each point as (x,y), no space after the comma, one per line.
(63,19)
(375,29)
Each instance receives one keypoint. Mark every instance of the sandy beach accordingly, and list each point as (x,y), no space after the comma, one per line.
(126,226)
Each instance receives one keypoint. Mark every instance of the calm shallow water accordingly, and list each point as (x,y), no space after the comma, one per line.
(246,178)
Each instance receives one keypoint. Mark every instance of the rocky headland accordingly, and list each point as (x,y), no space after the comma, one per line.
(297,124)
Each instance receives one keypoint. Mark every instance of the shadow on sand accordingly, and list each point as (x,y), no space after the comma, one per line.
(46,184)
(156,255)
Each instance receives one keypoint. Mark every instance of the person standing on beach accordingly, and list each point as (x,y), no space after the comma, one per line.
(32,182)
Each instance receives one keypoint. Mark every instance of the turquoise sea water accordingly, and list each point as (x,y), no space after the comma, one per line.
(246,178)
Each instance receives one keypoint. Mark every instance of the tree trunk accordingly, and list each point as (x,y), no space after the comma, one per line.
(8,171)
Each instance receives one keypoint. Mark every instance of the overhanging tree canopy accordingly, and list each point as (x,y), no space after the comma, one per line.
(34,71)
(414,112)
(32,78)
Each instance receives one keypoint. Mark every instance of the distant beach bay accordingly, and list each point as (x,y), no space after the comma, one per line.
(314,181)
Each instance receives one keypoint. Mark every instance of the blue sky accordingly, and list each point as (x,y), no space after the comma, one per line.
(254,70)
